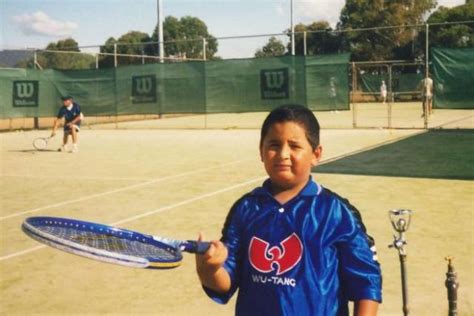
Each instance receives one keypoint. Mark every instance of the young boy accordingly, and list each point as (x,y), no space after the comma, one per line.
(72,115)
(292,247)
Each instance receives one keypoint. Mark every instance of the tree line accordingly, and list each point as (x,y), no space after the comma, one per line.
(368,29)
(374,30)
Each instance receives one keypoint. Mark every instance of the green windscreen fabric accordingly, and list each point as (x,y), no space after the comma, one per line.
(251,85)
(93,89)
(241,85)
(401,82)
(327,82)
(453,78)
(407,82)
(371,82)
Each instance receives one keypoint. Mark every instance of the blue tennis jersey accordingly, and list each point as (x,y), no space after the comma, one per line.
(309,256)
(71,114)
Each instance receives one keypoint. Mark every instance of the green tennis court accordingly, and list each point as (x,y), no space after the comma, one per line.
(437,154)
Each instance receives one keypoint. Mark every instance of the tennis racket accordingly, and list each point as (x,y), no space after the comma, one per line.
(110,244)
(41,143)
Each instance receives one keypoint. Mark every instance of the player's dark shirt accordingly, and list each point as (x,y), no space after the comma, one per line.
(69,114)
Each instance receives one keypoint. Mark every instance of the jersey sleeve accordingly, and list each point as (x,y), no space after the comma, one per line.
(360,272)
(232,239)
(60,113)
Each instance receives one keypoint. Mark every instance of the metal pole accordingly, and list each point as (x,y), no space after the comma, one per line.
(403,271)
(389,103)
(304,43)
(115,55)
(354,106)
(161,49)
(427,57)
(96,61)
(203,48)
(400,220)
(292,32)
(35,59)
(452,285)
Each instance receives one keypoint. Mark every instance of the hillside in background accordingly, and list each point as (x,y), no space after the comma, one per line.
(9,58)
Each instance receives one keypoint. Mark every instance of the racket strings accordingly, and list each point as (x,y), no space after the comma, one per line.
(109,242)
(40,143)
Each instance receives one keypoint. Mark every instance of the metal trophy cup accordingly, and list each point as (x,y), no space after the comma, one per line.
(400,220)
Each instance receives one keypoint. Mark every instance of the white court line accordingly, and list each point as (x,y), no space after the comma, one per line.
(158,210)
(130,187)
(23,252)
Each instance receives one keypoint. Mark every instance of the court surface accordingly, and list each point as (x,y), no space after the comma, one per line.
(178,183)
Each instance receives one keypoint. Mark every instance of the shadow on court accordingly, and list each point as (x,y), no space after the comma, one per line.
(35,151)
(439,154)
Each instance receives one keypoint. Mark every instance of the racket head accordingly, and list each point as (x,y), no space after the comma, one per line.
(104,243)
(40,143)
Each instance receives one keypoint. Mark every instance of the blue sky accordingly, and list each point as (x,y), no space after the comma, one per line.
(35,23)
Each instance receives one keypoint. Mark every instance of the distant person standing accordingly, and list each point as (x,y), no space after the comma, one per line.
(427,95)
(71,112)
(383,92)
(333,94)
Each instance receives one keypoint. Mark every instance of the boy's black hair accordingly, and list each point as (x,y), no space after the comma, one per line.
(293,113)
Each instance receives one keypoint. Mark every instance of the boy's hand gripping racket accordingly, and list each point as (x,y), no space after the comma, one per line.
(41,143)
(110,244)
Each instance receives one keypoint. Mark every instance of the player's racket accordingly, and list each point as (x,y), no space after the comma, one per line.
(41,143)
(110,244)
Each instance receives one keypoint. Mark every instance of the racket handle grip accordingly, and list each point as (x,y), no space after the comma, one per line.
(199,247)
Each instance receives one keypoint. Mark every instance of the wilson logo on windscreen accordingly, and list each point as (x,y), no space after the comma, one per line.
(144,89)
(25,93)
(274,83)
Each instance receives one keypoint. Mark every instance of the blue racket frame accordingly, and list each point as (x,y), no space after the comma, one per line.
(173,248)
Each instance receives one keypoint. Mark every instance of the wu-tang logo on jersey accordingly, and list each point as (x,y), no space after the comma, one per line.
(25,93)
(274,83)
(144,89)
(281,258)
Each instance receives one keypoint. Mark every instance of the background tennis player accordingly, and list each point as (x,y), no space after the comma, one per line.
(71,112)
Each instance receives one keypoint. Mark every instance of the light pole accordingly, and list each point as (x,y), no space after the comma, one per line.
(160,31)
(292,31)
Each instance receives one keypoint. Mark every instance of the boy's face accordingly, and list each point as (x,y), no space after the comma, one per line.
(67,102)
(288,156)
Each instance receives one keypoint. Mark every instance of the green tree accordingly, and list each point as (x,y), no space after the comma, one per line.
(61,60)
(184,37)
(320,39)
(387,43)
(274,47)
(132,43)
(452,35)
